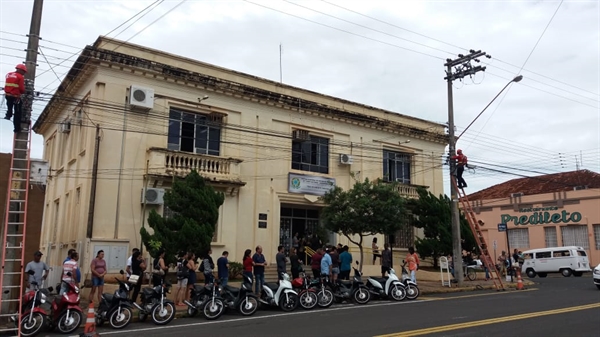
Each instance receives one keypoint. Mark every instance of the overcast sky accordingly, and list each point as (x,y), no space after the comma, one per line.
(388,54)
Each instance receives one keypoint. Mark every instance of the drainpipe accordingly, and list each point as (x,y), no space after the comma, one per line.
(118,210)
(90,222)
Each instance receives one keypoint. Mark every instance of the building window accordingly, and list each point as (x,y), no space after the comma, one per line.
(396,166)
(597,236)
(311,154)
(551,237)
(190,132)
(518,238)
(575,236)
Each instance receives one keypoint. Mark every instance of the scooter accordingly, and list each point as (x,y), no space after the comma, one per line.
(307,295)
(387,287)
(66,313)
(351,290)
(281,295)
(412,291)
(241,299)
(33,317)
(156,304)
(116,308)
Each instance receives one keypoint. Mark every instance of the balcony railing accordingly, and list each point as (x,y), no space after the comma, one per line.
(178,163)
(408,191)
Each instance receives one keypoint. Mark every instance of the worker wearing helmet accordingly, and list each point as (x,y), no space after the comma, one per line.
(14,87)
(461,162)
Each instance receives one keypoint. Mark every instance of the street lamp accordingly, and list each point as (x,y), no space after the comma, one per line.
(515,80)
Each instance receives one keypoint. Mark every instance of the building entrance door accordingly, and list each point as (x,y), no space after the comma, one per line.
(295,219)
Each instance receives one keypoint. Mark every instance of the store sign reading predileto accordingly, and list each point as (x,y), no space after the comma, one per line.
(541,216)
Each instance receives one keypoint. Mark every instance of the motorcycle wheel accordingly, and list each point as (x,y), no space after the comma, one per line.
(412,292)
(288,303)
(398,293)
(361,296)
(68,324)
(120,320)
(142,316)
(325,298)
(248,306)
(309,300)
(213,309)
(164,316)
(38,321)
(192,312)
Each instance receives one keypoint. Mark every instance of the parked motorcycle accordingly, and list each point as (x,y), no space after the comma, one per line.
(387,287)
(66,313)
(351,290)
(412,291)
(33,317)
(241,299)
(214,306)
(324,294)
(198,296)
(306,294)
(281,295)
(116,308)
(156,304)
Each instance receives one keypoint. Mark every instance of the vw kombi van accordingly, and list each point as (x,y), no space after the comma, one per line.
(569,260)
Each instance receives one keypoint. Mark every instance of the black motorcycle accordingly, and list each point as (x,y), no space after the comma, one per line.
(198,296)
(156,304)
(350,290)
(241,299)
(116,308)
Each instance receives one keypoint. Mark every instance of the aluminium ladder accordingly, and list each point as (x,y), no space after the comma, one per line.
(15,224)
(479,239)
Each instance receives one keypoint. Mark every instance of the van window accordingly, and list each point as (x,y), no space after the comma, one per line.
(562,253)
(543,255)
(581,253)
(528,256)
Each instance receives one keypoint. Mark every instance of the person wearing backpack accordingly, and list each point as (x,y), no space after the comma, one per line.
(182,278)
(206,267)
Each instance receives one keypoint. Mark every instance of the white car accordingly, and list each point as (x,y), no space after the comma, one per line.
(597,276)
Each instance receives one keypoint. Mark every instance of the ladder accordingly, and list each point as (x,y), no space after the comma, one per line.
(15,224)
(479,239)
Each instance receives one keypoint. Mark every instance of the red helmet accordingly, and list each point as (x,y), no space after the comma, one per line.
(459,151)
(21,67)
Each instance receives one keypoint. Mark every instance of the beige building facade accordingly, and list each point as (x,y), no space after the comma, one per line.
(271,148)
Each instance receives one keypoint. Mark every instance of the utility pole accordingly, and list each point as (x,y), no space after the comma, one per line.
(462,67)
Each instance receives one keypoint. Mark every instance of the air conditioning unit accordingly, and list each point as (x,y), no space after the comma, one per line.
(153,196)
(65,127)
(346,159)
(516,195)
(300,135)
(141,97)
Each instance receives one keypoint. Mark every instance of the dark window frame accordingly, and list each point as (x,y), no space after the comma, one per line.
(193,132)
(311,154)
(397,166)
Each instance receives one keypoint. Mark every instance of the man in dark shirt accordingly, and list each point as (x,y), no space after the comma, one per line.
(259,269)
(223,266)
(386,260)
(335,263)
(280,259)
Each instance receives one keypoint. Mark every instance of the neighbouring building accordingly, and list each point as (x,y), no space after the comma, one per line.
(561,209)
(273,149)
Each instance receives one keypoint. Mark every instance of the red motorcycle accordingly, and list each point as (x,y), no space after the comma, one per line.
(33,318)
(308,296)
(66,313)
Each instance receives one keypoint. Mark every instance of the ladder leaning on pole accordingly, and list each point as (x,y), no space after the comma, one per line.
(479,239)
(15,224)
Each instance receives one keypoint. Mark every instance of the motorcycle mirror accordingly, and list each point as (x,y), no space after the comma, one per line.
(50,289)
(357,263)
(121,272)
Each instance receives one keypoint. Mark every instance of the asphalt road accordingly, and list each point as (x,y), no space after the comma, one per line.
(556,306)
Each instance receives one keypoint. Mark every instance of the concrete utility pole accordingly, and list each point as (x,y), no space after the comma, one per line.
(463,68)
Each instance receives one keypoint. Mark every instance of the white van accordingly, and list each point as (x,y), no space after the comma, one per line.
(565,260)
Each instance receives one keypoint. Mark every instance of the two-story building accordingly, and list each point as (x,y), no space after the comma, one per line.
(126,120)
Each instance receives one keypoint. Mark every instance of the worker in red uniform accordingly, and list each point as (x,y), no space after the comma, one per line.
(461,162)
(14,87)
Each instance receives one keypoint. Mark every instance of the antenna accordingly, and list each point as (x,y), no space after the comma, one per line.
(576,163)
(280,64)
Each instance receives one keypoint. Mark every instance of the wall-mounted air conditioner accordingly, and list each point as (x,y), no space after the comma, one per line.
(65,127)
(141,97)
(346,159)
(153,196)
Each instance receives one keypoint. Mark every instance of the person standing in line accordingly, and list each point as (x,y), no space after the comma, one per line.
(295,264)
(223,266)
(295,241)
(69,267)
(375,249)
(315,262)
(77,271)
(345,263)
(259,269)
(192,277)
(160,269)
(281,263)
(335,263)
(413,263)
(98,269)
(182,278)
(130,262)
(138,265)
(248,264)
(39,268)
(208,266)
(326,264)
(386,260)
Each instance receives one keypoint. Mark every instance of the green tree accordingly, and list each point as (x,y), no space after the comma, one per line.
(433,215)
(368,208)
(195,206)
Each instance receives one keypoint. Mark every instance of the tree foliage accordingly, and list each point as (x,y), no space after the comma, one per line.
(433,214)
(368,208)
(195,212)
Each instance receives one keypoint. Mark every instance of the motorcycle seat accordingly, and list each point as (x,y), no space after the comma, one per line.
(232,290)
(381,280)
(198,288)
(148,291)
(272,286)
(108,297)
(345,282)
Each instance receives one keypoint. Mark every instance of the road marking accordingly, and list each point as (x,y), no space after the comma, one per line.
(472,324)
(295,313)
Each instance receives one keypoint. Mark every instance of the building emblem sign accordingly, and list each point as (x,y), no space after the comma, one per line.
(541,216)
(305,184)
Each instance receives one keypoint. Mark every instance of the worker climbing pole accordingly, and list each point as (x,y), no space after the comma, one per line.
(15,220)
